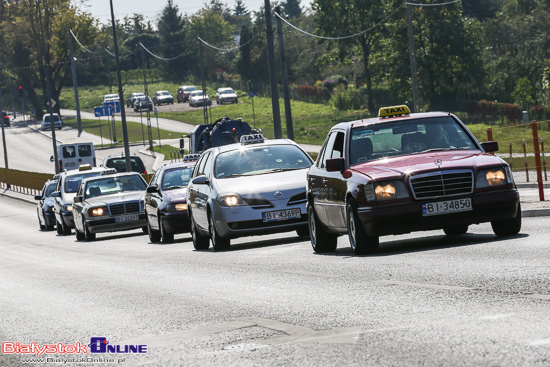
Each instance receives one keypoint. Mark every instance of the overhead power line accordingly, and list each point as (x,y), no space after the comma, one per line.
(158,57)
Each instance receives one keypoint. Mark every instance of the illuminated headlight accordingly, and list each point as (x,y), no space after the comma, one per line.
(230,200)
(492,177)
(97,212)
(67,208)
(176,207)
(386,191)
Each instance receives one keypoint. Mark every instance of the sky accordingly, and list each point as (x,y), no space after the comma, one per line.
(101,9)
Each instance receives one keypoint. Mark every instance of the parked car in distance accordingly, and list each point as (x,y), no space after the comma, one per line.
(198,98)
(118,162)
(163,96)
(47,122)
(184,91)
(111,98)
(143,103)
(166,200)
(67,187)
(109,203)
(5,119)
(132,99)
(226,95)
(403,172)
(250,188)
(44,208)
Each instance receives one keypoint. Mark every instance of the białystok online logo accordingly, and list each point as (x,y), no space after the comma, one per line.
(97,345)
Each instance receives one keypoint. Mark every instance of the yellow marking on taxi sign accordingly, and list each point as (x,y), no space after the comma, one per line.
(394,111)
(85,167)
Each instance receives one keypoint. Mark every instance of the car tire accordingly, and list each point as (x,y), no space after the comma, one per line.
(49,227)
(218,243)
(79,235)
(303,232)
(59,227)
(88,236)
(455,230)
(200,242)
(66,229)
(165,237)
(154,236)
(361,243)
(321,240)
(508,227)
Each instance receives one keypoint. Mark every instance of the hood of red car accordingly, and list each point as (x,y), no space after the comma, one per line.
(177,195)
(427,162)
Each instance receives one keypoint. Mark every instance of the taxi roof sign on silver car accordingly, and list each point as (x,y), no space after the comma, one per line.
(191,157)
(394,111)
(252,139)
(109,171)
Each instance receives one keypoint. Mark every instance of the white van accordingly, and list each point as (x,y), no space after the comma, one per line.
(72,155)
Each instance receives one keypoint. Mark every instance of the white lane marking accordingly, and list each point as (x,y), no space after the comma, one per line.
(424,285)
(495,317)
(537,296)
(540,342)
(311,273)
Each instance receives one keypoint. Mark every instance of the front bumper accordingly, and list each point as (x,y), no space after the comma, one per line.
(407,217)
(176,222)
(245,221)
(98,225)
(49,218)
(68,219)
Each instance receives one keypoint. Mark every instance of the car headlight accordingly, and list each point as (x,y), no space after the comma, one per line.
(176,207)
(230,200)
(493,177)
(98,212)
(67,208)
(389,190)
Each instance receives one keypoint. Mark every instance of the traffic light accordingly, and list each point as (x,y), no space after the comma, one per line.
(20,91)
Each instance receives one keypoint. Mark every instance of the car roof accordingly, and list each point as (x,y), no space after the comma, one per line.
(178,165)
(76,171)
(383,120)
(267,142)
(225,88)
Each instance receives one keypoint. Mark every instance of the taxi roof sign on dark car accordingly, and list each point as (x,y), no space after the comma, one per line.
(252,139)
(394,111)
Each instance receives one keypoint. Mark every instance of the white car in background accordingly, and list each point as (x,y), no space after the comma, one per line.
(226,95)
(197,98)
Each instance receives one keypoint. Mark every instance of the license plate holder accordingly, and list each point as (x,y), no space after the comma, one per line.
(127,218)
(447,207)
(281,215)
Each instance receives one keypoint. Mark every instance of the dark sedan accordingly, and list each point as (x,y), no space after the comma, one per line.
(44,208)
(166,201)
(143,103)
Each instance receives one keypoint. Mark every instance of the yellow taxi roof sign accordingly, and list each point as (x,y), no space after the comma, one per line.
(85,167)
(394,111)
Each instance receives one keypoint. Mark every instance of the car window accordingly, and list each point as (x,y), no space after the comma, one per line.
(176,178)
(260,160)
(332,147)
(85,150)
(47,118)
(408,137)
(50,188)
(114,185)
(208,166)
(201,163)
(72,182)
(69,151)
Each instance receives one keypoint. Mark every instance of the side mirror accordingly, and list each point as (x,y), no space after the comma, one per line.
(490,146)
(52,158)
(55,194)
(77,199)
(336,165)
(200,180)
(37,197)
(152,189)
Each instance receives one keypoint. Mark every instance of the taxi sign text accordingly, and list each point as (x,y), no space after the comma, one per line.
(253,138)
(393,111)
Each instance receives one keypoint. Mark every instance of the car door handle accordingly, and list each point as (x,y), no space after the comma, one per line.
(325,180)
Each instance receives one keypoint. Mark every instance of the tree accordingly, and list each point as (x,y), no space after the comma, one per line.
(353,17)
(172,31)
(522,93)
(240,9)
(291,8)
(20,32)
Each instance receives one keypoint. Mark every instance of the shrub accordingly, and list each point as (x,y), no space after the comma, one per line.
(347,99)
(332,81)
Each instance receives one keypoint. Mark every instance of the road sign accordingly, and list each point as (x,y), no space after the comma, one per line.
(156,111)
(251,94)
(115,106)
(52,102)
(100,111)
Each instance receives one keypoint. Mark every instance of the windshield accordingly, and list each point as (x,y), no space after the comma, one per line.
(229,91)
(407,137)
(120,164)
(114,185)
(189,89)
(164,93)
(73,182)
(260,160)
(50,188)
(47,118)
(177,178)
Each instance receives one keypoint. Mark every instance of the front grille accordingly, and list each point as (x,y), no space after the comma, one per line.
(297,199)
(125,208)
(441,184)
(255,203)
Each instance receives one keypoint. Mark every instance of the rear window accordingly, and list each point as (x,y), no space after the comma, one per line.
(120,164)
(85,150)
(47,118)
(69,151)
(73,182)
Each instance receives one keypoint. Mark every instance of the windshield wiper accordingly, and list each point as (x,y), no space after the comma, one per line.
(174,187)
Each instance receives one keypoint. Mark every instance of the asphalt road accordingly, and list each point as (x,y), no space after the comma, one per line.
(424,300)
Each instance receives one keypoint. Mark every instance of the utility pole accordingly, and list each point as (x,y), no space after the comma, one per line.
(12,99)
(272,73)
(3,134)
(149,130)
(49,91)
(286,89)
(121,95)
(416,103)
(75,86)
(204,107)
